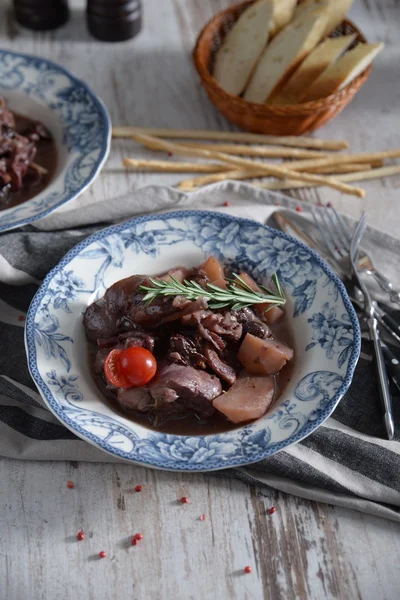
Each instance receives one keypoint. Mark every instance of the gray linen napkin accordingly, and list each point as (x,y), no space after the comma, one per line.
(346,461)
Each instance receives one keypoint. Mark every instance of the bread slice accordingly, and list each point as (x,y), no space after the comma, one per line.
(343,71)
(312,66)
(336,11)
(242,46)
(283,13)
(283,55)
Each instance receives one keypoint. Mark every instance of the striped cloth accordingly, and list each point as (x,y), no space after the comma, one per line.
(347,461)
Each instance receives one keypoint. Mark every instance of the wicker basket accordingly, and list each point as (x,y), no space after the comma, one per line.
(294,119)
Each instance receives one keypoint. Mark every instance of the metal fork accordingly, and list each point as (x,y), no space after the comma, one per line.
(339,248)
(332,229)
(369,310)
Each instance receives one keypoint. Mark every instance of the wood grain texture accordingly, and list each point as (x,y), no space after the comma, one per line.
(305,550)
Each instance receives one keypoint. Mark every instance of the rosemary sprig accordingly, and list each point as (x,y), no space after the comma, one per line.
(237,295)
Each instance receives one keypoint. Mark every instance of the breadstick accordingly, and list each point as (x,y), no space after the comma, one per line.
(237,174)
(274,170)
(361,176)
(261,151)
(366,157)
(232,136)
(196,182)
(164,166)
(303,165)
(352,168)
(300,165)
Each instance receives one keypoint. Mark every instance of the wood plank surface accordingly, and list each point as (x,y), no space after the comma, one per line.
(304,550)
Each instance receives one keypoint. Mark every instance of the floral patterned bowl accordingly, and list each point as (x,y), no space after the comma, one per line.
(76,117)
(325,329)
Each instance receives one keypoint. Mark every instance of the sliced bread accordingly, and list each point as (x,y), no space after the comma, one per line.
(312,66)
(336,11)
(288,48)
(343,71)
(283,13)
(235,60)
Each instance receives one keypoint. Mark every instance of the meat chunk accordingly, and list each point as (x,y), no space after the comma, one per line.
(196,320)
(98,364)
(103,318)
(219,366)
(175,391)
(263,357)
(249,398)
(122,307)
(138,399)
(251,323)
(175,381)
(135,337)
(183,307)
(224,324)
(183,350)
(98,322)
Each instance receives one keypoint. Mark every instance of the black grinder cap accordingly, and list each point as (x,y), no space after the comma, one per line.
(114,20)
(41,14)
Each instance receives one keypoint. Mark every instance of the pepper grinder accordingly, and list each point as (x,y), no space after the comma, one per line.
(114,20)
(41,14)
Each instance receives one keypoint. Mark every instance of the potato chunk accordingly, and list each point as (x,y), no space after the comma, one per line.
(263,356)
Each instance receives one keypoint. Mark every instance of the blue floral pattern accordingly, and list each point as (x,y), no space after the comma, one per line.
(334,335)
(86,130)
(319,322)
(320,386)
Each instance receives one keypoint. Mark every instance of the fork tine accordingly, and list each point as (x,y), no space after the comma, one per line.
(324,231)
(330,229)
(357,236)
(344,250)
(342,246)
(344,227)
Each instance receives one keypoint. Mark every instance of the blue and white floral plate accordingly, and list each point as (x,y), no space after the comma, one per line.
(325,327)
(76,117)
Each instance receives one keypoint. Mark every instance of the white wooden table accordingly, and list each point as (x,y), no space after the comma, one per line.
(305,550)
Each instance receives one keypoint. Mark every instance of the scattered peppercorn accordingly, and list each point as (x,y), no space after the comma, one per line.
(227,203)
(202,517)
(184,500)
(138,488)
(271,510)
(21,318)
(70,485)
(134,541)
(139,536)
(102,554)
(80,536)
(247,569)
(299,208)
(328,205)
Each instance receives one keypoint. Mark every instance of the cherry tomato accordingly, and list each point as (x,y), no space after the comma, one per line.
(112,370)
(128,368)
